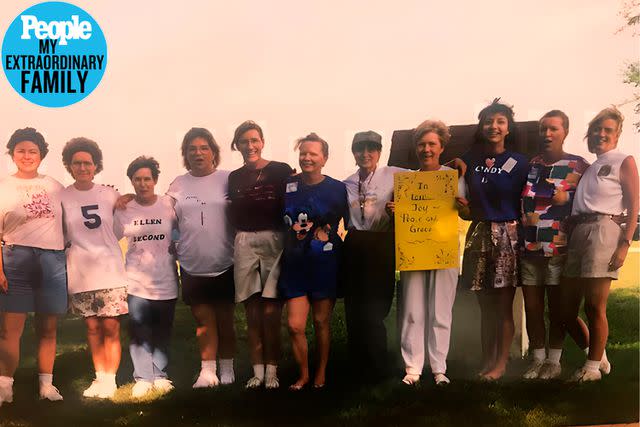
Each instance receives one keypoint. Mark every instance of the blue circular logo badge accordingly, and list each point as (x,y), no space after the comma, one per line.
(54,54)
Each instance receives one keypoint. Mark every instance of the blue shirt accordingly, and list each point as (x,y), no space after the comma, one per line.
(495,184)
(312,245)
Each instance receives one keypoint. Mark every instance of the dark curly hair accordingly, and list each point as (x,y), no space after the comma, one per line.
(203,133)
(77,145)
(144,162)
(28,134)
(497,107)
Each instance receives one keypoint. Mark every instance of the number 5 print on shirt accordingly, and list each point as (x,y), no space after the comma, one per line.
(94,218)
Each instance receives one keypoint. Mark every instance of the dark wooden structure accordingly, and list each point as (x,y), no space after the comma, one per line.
(403,153)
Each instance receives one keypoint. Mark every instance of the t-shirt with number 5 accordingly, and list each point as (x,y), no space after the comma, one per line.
(94,258)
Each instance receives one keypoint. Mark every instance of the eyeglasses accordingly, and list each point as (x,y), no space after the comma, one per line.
(79,164)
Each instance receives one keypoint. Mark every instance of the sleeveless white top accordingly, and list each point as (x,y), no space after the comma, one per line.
(599,189)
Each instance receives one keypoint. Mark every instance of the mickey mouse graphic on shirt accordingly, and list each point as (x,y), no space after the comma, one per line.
(304,226)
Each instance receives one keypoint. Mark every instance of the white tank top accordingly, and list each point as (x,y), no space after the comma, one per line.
(599,189)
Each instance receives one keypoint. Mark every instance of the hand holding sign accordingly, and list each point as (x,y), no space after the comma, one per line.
(426,221)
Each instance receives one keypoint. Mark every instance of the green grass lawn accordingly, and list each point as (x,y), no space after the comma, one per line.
(464,402)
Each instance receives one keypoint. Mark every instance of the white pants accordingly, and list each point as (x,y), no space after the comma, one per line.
(426,303)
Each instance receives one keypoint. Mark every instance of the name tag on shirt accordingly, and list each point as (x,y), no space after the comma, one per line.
(509,164)
(292,187)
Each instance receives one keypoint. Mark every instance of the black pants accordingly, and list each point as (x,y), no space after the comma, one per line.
(369,274)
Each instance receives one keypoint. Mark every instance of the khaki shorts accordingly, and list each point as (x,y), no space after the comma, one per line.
(590,248)
(541,270)
(257,263)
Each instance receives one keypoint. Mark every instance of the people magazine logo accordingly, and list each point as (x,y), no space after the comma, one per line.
(54,54)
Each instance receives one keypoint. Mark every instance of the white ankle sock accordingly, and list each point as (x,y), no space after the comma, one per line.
(45,379)
(226,365)
(539,354)
(100,375)
(554,355)
(592,365)
(604,353)
(258,371)
(6,381)
(109,378)
(208,366)
(271,371)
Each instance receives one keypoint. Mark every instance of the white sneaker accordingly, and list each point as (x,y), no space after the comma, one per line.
(6,394)
(206,379)
(50,392)
(583,375)
(254,382)
(411,379)
(141,388)
(93,390)
(605,366)
(549,371)
(271,382)
(533,370)
(441,379)
(107,390)
(163,385)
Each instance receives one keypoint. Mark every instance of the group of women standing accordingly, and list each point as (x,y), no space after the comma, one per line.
(264,236)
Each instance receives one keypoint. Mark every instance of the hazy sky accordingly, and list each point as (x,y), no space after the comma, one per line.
(332,67)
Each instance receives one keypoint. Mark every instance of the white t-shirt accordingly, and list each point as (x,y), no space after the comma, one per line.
(30,212)
(599,189)
(151,269)
(377,190)
(205,247)
(94,259)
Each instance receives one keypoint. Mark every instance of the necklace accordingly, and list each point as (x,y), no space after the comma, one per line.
(362,195)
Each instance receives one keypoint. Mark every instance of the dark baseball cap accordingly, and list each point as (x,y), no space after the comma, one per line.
(367,138)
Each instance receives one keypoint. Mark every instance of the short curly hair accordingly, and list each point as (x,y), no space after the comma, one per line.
(313,137)
(203,133)
(144,162)
(436,126)
(28,134)
(77,145)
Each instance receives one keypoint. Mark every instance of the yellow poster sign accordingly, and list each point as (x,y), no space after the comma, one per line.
(426,220)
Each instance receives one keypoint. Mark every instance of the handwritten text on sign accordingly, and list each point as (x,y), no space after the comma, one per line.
(426,220)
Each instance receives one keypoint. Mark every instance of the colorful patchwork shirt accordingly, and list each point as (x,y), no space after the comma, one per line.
(546,202)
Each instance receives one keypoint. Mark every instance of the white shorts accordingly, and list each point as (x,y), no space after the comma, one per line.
(257,263)
(541,270)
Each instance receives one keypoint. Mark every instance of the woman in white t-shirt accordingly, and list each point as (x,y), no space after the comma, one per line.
(426,297)
(604,212)
(32,267)
(147,223)
(205,253)
(97,280)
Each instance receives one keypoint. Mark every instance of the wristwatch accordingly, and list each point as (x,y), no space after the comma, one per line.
(627,241)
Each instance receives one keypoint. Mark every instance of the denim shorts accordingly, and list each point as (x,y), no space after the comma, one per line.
(37,280)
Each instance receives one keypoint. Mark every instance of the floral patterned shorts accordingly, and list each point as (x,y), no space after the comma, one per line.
(491,256)
(101,303)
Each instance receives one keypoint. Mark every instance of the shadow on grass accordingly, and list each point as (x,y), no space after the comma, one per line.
(464,402)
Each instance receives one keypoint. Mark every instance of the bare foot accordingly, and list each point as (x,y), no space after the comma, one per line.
(299,385)
(493,375)
(318,381)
